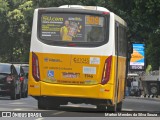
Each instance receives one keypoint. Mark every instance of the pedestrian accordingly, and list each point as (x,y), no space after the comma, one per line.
(140,85)
(128,88)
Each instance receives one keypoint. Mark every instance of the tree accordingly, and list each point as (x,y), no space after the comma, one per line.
(147,14)
(142,17)
(20,21)
(15,35)
(3,27)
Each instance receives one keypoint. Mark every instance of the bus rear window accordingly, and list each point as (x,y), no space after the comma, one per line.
(78,28)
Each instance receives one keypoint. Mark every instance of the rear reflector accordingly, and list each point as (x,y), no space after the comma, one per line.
(31,85)
(72,44)
(35,67)
(106,70)
(106,90)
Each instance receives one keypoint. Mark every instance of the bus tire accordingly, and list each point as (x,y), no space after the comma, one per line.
(119,107)
(101,108)
(113,109)
(41,104)
(54,106)
(110,108)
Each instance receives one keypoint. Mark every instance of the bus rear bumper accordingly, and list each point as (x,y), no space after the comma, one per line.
(75,93)
(74,100)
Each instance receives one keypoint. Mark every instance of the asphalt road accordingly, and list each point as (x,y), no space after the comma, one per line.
(83,111)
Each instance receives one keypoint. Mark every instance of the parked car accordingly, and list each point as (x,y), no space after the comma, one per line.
(10,84)
(26,69)
(23,79)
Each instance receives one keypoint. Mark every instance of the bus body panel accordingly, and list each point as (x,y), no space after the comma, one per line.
(121,77)
(71,69)
(80,91)
(73,87)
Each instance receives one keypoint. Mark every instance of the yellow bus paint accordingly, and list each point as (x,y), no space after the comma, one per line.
(76,87)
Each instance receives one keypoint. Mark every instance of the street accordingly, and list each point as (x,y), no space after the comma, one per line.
(130,104)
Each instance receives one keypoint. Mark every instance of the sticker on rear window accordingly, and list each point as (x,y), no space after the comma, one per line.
(89,70)
(94,60)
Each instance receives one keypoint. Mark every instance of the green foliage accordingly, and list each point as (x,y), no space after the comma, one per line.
(16,40)
(142,17)
(148,16)
(3,25)
(3,12)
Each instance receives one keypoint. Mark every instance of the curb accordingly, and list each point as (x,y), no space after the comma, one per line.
(149,96)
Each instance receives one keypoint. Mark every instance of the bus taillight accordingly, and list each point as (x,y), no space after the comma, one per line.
(35,67)
(106,70)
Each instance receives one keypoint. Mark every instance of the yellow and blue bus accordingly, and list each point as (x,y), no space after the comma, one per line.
(78,54)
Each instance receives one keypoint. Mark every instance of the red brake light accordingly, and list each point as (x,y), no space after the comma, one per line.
(106,70)
(72,44)
(21,79)
(35,67)
(105,13)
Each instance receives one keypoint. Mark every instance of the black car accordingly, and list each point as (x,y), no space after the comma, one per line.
(23,77)
(10,84)
(25,68)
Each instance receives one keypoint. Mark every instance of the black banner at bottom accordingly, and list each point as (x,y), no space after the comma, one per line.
(39,114)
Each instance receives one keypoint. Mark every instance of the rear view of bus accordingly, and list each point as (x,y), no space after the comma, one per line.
(74,58)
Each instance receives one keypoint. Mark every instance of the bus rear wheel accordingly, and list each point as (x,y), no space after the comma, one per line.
(119,107)
(47,103)
(41,104)
(110,108)
(113,109)
(102,108)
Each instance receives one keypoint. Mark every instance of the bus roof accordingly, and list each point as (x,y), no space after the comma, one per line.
(98,8)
